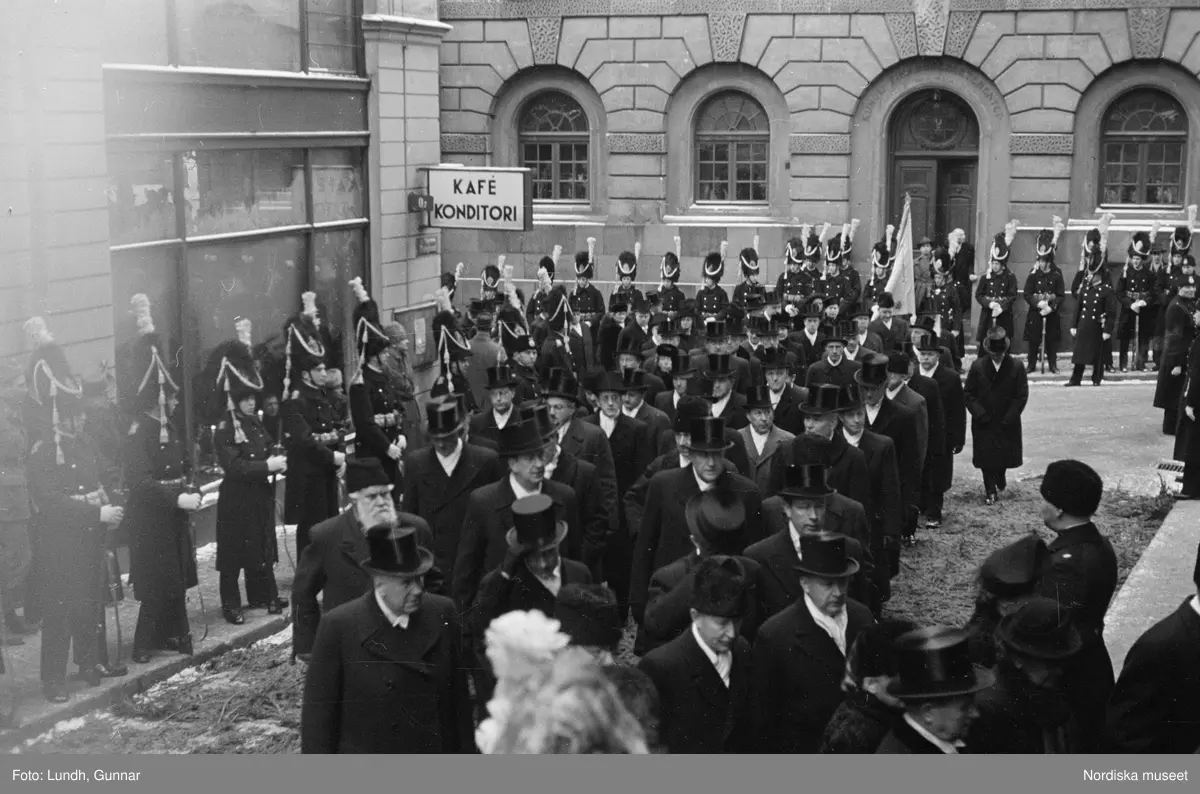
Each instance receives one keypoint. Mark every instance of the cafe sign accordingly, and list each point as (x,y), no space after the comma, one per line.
(480,198)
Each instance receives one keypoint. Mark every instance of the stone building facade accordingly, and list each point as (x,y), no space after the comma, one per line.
(726,119)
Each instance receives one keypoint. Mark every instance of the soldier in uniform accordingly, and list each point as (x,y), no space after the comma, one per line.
(711,299)
(942,299)
(997,289)
(564,345)
(1095,312)
(249,463)
(162,561)
(750,287)
(453,350)
(670,296)
(1165,278)
(1044,292)
(587,303)
(883,255)
(626,293)
(837,293)
(378,417)
(1179,333)
(522,355)
(1139,303)
(310,431)
(539,305)
(792,288)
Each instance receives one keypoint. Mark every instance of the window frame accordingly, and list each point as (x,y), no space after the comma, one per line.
(555,140)
(1143,141)
(731,139)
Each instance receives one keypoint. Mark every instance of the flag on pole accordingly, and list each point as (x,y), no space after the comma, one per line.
(901,283)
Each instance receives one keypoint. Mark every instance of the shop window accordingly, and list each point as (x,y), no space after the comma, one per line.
(1143,146)
(332,36)
(337,258)
(553,132)
(731,146)
(141,197)
(337,185)
(154,272)
(235,191)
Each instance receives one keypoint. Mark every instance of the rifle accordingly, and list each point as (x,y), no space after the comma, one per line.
(1043,355)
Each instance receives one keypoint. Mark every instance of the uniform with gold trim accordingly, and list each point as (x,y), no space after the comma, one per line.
(377,415)
(1139,303)
(1044,292)
(711,299)
(626,293)
(997,287)
(1095,313)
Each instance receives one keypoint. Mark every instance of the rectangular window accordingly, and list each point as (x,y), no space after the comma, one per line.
(337,184)
(141,197)
(337,258)
(248,34)
(236,191)
(153,272)
(332,38)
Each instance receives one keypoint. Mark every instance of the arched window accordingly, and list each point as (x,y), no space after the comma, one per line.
(1143,144)
(553,133)
(732,138)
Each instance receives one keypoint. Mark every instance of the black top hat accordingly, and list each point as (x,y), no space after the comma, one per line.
(720,365)
(929,343)
(394,552)
(667,326)
(873,372)
(501,377)
(521,438)
(715,329)
(363,473)
(444,419)
(1015,569)
(634,380)
(561,383)
(822,399)
(812,448)
(834,334)
(926,321)
(536,411)
(887,300)
(758,325)
(608,381)
(629,346)
(935,663)
(898,362)
(849,397)
(824,554)
(720,588)
(1073,487)
(689,408)
(811,309)
(735,322)
(1041,628)
(758,397)
(535,524)
(997,340)
(773,358)
(717,518)
(708,435)
(805,481)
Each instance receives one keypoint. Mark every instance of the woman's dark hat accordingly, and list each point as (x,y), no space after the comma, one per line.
(364,473)
(1073,487)
(720,365)
(935,663)
(561,383)
(805,481)
(721,587)
(521,438)
(501,377)
(825,554)
(1014,570)
(758,397)
(708,435)
(444,419)
(874,371)
(717,518)
(535,524)
(1041,628)
(394,552)
(822,399)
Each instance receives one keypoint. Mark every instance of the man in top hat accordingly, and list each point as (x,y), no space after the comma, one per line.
(162,564)
(927,325)
(761,438)
(861,338)
(833,367)
(807,339)
(939,473)
(800,653)
(1096,313)
(397,649)
(1081,575)
(310,429)
(1154,704)
(962,273)
(663,535)
(631,355)
(938,685)
(716,342)
(680,373)
(438,478)
(898,423)
(996,393)
(501,392)
(1139,303)
(329,566)
(928,417)
(581,440)
(1179,332)
(1044,293)
(821,443)
(806,504)
(784,397)
(1026,710)
(997,289)
(891,328)
(634,406)
(717,522)
(727,404)
(703,675)
(376,413)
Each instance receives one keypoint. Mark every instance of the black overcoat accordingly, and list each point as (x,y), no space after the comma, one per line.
(1178,333)
(311,488)
(593,515)
(378,419)
(996,400)
(246,508)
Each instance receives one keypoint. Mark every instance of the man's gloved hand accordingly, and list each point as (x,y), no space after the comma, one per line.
(1074,332)
(513,560)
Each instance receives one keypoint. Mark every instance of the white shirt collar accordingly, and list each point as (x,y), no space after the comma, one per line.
(396,621)
(502,419)
(887,323)
(675,398)
(872,412)
(853,439)
(520,492)
(704,486)
(941,744)
(719,406)
(562,431)
(552,465)
(812,337)
(776,397)
(607,425)
(996,363)
(722,662)
(553,582)
(629,413)
(684,462)
(834,627)
(760,440)
(862,338)
(795,533)
(1196,603)
(450,463)
(852,355)
(929,372)
(891,393)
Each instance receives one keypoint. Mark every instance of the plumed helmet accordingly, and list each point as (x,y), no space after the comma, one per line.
(813,247)
(491,277)
(669,268)
(304,349)
(749,261)
(999,250)
(54,393)
(1139,245)
(144,380)
(558,308)
(547,264)
(833,250)
(880,256)
(584,267)
(1092,241)
(793,252)
(369,337)
(627,265)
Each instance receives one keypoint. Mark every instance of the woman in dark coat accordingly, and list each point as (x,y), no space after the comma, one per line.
(1178,333)
(996,393)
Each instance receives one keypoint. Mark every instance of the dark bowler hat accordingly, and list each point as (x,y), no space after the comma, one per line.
(935,663)
(1073,487)
(690,407)
(535,525)
(501,377)
(898,362)
(717,518)
(1014,570)
(720,588)
(561,383)
(849,397)
(822,399)
(773,358)
(634,380)
(363,473)
(805,481)
(824,554)
(627,345)
(720,365)
(874,370)
(997,340)
(714,329)
(640,306)
(887,300)
(1040,628)
(608,381)
(444,419)
(708,435)
(758,397)
(521,438)
(394,552)
(536,411)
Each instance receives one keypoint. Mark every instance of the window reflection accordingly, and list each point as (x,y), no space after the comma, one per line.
(337,185)
(141,201)
(239,34)
(235,191)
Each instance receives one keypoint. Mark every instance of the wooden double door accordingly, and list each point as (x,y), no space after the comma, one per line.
(942,191)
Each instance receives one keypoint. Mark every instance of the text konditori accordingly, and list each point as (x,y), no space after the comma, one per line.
(1129,774)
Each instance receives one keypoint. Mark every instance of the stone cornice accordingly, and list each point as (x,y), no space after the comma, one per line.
(384,24)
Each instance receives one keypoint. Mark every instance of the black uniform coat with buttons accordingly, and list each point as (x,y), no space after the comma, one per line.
(996,399)
(162,563)
(329,566)
(798,672)
(374,688)
(698,713)
(1095,315)
(311,489)
(1000,288)
(1046,286)
(1138,285)
(374,397)
(246,508)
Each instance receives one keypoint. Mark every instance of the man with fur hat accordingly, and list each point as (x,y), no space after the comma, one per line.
(74,518)
(800,653)
(1154,705)
(1096,311)
(938,685)
(1044,292)
(378,417)
(1081,575)
(703,675)
(1139,302)
(997,289)
(1179,332)
(246,508)
(711,298)
(670,295)
(750,286)
(162,564)
(397,648)
(996,393)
